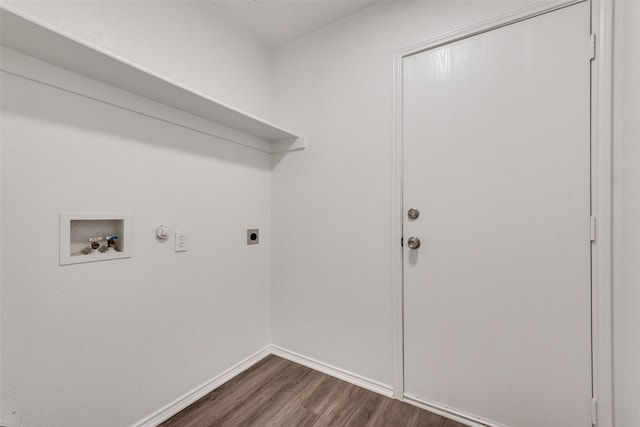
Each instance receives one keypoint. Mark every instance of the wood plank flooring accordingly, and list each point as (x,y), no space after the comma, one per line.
(276,392)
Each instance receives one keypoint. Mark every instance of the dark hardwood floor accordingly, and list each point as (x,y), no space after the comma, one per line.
(275,392)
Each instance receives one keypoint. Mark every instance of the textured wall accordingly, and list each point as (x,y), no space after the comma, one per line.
(109,343)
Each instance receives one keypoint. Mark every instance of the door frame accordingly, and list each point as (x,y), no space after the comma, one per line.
(601,198)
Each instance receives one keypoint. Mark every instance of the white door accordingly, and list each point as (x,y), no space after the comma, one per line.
(497,298)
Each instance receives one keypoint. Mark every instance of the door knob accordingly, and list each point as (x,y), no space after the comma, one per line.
(413,242)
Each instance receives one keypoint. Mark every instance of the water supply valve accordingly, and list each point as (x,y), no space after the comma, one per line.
(94,243)
(111,243)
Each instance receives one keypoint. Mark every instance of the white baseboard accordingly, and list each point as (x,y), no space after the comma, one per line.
(451,413)
(333,371)
(190,397)
(202,390)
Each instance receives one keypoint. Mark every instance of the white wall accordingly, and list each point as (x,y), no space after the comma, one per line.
(190,42)
(331,296)
(109,343)
(627,214)
(331,277)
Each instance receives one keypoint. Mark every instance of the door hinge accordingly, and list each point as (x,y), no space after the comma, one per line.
(592,47)
(593,229)
(594,411)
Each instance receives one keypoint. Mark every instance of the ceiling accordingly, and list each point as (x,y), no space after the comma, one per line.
(277,22)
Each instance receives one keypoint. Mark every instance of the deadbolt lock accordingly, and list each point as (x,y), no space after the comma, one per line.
(413,213)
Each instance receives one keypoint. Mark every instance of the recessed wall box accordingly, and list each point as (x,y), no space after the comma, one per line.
(89,237)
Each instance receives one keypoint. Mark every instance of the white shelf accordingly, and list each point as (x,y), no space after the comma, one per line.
(44,43)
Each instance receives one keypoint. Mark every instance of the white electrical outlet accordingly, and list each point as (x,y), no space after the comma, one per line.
(181,241)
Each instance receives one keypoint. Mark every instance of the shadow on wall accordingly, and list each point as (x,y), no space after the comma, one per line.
(40,101)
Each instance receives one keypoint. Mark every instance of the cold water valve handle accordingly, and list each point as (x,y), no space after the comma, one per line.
(111,243)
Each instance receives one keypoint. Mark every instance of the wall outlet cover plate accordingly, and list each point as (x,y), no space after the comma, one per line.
(181,241)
